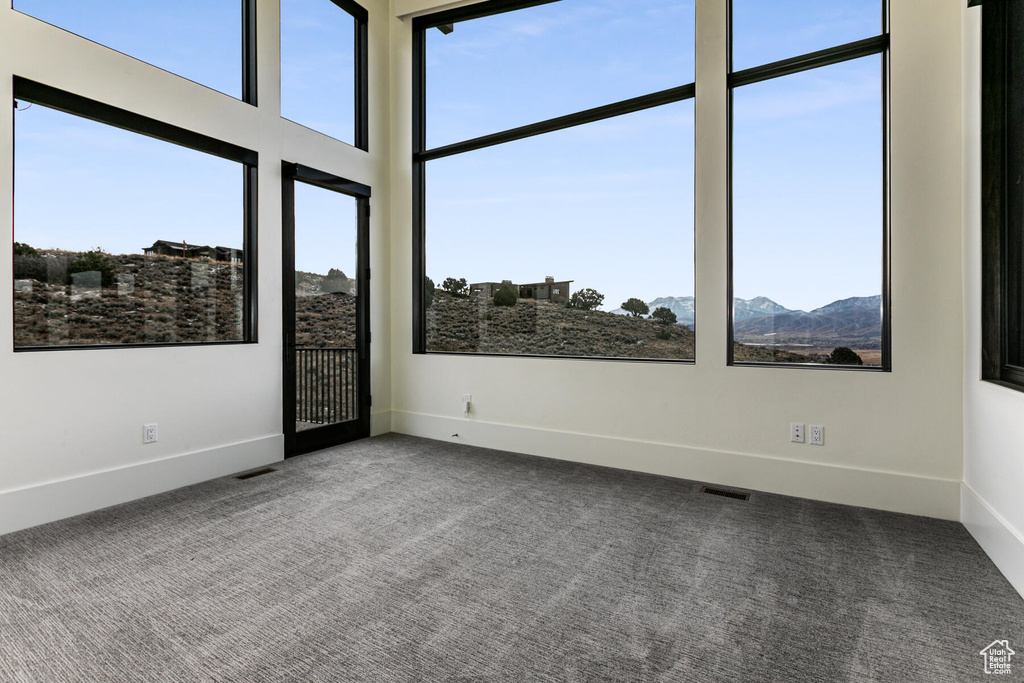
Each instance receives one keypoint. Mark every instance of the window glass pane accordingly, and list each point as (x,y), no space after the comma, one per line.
(807,214)
(198,39)
(607,207)
(507,70)
(765,32)
(318,67)
(122,239)
(325,307)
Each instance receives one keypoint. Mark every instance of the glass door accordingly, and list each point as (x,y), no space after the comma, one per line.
(326,310)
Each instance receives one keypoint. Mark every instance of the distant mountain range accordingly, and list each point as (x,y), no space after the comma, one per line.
(853,318)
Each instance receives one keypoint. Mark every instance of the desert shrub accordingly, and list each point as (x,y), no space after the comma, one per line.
(24,250)
(506,296)
(586,299)
(458,288)
(635,307)
(663,333)
(664,315)
(94,260)
(28,267)
(842,355)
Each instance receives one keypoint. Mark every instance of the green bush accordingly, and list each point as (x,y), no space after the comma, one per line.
(24,250)
(635,307)
(506,296)
(94,260)
(456,287)
(664,315)
(585,299)
(842,355)
(663,333)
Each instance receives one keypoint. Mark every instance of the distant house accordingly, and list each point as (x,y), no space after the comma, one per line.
(169,248)
(549,290)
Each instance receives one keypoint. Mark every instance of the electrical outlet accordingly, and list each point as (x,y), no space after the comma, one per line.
(796,432)
(149,433)
(817,435)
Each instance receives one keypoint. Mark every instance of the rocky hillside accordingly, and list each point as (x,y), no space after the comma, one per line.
(139,300)
(325,321)
(313,284)
(161,299)
(476,325)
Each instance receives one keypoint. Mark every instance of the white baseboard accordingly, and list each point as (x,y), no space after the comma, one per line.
(380,423)
(893,491)
(42,503)
(997,537)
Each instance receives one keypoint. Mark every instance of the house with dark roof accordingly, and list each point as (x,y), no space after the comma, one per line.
(169,248)
(549,290)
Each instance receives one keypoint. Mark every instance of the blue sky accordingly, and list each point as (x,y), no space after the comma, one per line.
(180,194)
(198,39)
(609,204)
(325,230)
(117,190)
(317,63)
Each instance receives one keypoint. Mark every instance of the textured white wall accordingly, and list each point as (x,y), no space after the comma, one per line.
(993,506)
(893,440)
(71,415)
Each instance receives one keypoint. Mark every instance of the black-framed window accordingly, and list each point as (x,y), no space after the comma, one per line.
(808,215)
(553,179)
(211,42)
(127,231)
(324,67)
(1003,193)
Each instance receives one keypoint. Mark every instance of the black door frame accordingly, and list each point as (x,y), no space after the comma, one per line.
(297,443)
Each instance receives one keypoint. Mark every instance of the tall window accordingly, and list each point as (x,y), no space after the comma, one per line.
(123,238)
(809,256)
(1003,193)
(554,179)
(324,67)
(211,42)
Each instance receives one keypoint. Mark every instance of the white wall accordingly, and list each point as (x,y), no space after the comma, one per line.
(71,421)
(993,506)
(893,441)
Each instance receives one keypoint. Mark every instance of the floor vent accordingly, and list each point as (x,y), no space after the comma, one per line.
(250,475)
(725,493)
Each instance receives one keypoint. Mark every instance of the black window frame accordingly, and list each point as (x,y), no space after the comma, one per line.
(77,105)
(876,45)
(421,155)
(248,47)
(361,80)
(1002,198)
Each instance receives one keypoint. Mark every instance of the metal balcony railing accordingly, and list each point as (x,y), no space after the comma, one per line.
(326,386)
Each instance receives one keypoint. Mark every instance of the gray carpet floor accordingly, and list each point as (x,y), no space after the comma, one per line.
(403,559)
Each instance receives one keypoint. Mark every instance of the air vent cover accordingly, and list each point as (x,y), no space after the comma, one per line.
(250,475)
(725,493)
